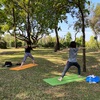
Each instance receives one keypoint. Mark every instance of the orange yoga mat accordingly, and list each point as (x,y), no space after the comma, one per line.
(23,67)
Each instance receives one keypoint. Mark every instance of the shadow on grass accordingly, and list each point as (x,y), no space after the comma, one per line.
(28,84)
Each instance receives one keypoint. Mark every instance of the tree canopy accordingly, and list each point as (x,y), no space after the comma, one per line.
(95,20)
(29,20)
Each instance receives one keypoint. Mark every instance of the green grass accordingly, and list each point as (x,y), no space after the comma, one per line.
(29,85)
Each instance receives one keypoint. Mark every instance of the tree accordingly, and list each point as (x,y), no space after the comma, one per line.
(81,13)
(55,12)
(68,38)
(8,38)
(79,41)
(95,22)
(3,44)
(22,19)
(91,43)
(35,18)
(8,8)
(97,16)
(2,19)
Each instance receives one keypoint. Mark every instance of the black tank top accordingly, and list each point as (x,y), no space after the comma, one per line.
(28,49)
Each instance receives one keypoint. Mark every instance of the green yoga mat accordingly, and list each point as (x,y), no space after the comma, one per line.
(67,79)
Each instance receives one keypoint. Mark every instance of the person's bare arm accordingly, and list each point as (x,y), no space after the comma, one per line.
(81,48)
(64,50)
(34,46)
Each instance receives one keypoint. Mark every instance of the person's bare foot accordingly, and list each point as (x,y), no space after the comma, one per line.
(79,76)
(60,79)
(21,64)
(33,62)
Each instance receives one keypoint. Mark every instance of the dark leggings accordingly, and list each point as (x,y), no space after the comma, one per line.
(27,55)
(68,65)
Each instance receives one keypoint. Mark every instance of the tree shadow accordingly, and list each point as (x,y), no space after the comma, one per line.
(27,84)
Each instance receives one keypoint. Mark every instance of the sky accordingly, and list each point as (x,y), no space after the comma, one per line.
(65,29)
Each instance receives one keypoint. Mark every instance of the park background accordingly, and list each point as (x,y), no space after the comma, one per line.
(28,84)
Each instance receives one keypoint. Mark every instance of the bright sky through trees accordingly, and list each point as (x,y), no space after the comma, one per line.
(65,26)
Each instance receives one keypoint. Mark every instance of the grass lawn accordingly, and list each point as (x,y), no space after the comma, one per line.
(28,84)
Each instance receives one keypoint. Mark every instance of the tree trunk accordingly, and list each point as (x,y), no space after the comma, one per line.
(28,28)
(57,45)
(83,31)
(84,56)
(28,24)
(14,25)
(96,38)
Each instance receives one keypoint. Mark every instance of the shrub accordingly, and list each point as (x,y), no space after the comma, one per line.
(3,44)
